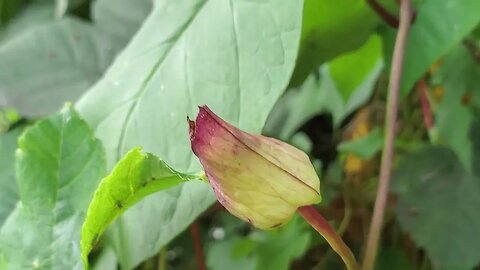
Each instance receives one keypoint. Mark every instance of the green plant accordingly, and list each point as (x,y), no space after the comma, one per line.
(111,180)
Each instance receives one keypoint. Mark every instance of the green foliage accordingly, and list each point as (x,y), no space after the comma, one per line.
(255,252)
(136,69)
(8,186)
(432,35)
(331,28)
(133,178)
(459,75)
(365,147)
(120,19)
(345,83)
(56,158)
(172,65)
(76,56)
(32,15)
(438,201)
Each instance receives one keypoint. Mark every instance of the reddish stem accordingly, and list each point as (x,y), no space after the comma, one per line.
(390,124)
(321,225)
(197,243)
(383,13)
(427,111)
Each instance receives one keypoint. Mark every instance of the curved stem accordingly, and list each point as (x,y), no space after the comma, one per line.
(311,215)
(390,123)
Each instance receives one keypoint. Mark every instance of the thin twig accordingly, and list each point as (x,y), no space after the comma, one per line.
(390,123)
(383,13)
(197,243)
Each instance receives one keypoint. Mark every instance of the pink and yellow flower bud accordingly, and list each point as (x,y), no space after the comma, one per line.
(258,179)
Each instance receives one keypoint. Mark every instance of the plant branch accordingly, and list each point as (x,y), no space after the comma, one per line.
(390,123)
(388,18)
(197,243)
(311,215)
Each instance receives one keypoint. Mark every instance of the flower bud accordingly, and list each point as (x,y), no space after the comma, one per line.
(256,178)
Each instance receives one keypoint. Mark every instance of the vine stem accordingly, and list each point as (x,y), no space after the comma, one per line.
(321,225)
(197,244)
(390,123)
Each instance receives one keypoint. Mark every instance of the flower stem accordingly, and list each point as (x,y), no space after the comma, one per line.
(311,215)
(390,124)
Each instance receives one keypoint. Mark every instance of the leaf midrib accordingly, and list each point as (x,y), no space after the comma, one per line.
(143,87)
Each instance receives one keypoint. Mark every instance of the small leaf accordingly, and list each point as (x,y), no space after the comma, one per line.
(59,164)
(136,176)
(365,147)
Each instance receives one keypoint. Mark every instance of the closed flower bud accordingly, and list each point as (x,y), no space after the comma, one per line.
(256,178)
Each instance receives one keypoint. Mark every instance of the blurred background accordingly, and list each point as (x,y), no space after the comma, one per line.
(331,104)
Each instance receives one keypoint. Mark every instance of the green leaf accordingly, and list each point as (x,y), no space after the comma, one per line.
(235,56)
(33,15)
(285,244)
(135,176)
(364,147)
(220,256)
(106,260)
(8,9)
(355,74)
(59,164)
(432,35)
(8,186)
(393,259)
(438,204)
(345,83)
(120,19)
(459,74)
(331,28)
(51,64)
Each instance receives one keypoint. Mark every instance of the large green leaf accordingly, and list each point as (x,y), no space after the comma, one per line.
(438,204)
(120,19)
(331,28)
(235,56)
(51,64)
(59,164)
(459,75)
(439,26)
(136,176)
(8,186)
